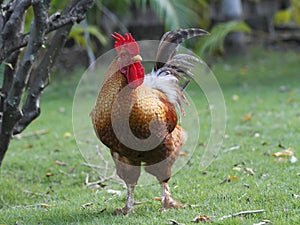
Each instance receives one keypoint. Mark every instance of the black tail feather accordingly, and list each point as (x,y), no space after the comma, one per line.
(170,41)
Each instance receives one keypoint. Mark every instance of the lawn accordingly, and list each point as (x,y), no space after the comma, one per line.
(42,179)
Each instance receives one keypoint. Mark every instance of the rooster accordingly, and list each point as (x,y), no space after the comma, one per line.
(135,114)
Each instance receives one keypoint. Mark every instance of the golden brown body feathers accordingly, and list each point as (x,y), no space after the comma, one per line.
(141,107)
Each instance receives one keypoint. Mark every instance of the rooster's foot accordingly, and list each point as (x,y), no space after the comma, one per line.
(123,211)
(171,203)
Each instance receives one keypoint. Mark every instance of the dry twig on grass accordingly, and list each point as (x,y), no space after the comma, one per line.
(97,183)
(242,213)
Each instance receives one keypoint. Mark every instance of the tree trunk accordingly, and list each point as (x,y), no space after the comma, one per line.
(15,115)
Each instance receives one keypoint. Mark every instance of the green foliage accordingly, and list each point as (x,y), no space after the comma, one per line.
(288,15)
(28,19)
(175,13)
(215,41)
(282,17)
(56,5)
(77,33)
(202,9)
(296,10)
(2,66)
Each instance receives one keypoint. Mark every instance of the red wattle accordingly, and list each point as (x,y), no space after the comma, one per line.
(135,75)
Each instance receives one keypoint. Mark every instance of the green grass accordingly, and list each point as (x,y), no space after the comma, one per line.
(262,83)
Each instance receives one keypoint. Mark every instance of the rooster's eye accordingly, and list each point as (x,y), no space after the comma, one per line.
(122,55)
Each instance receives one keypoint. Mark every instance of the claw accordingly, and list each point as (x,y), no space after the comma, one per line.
(123,211)
(167,201)
(171,203)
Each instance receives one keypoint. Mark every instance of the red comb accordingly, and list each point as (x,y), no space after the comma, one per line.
(128,41)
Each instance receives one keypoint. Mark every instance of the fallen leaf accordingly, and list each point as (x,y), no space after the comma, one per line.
(138,203)
(249,171)
(60,163)
(256,134)
(283,155)
(49,174)
(235,97)
(202,218)
(290,101)
(174,222)
(281,160)
(262,222)
(295,196)
(87,204)
(236,168)
(236,147)
(157,199)
(28,146)
(44,205)
(114,192)
(240,164)
(247,185)
(184,154)
(243,71)
(247,117)
(229,179)
(67,135)
(286,152)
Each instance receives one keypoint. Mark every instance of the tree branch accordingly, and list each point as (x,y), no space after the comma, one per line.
(31,107)
(75,13)
(11,40)
(35,42)
(11,111)
(15,19)
(12,26)
(40,77)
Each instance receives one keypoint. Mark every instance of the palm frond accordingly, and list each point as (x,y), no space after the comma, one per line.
(215,41)
(174,13)
(77,33)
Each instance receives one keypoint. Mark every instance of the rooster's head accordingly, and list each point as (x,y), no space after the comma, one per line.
(129,59)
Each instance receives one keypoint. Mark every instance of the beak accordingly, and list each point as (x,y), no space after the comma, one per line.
(137,58)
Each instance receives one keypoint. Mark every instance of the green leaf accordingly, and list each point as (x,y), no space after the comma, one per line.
(93,30)
(215,41)
(175,13)
(282,17)
(2,66)
(296,10)
(9,65)
(77,33)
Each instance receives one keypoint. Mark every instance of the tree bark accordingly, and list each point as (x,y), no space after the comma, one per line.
(40,80)
(14,117)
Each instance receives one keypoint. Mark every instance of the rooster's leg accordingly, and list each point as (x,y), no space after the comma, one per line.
(129,172)
(167,201)
(129,201)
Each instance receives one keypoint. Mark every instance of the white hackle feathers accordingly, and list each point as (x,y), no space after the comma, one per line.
(167,79)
